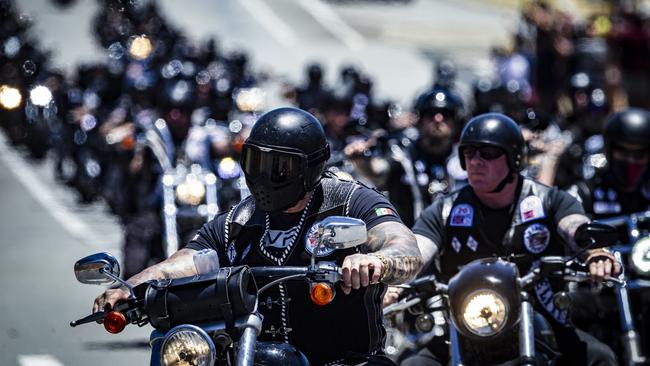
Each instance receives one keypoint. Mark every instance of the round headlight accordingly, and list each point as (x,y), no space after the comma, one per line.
(190,192)
(10,97)
(187,345)
(640,256)
(484,313)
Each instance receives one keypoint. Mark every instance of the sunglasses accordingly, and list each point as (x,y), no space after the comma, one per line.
(279,166)
(485,152)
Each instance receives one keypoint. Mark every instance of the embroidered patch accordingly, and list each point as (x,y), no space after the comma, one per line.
(455,243)
(603,207)
(280,239)
(232,253)
(536,238)
(531,208)
(472,243)
(311,241)
(462,215)
(383,211)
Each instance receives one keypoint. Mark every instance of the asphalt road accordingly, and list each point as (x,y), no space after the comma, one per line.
(43,231)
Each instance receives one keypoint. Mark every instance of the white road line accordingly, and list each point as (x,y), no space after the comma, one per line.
(40,191)
(269,20)
(38,360)
(333,23)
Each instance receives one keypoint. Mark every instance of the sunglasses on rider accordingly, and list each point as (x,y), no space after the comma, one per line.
(485,152)
(278,165)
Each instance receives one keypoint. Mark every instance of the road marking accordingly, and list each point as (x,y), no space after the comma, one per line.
(72,222)
(269,20)
(333,23)
(38,360)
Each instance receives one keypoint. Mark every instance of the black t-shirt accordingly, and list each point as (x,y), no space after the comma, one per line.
(431,225)
(365,204)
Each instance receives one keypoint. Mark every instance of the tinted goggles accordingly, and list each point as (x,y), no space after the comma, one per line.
(279,166)
(485,152)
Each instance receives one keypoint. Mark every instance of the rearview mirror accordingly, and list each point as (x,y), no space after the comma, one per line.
(595,235)
(97,269)
(340,232)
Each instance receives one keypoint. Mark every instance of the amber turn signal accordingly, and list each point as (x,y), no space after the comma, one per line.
(321,293)
(114,322)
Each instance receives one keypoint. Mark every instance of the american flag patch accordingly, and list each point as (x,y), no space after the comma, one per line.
(382,211)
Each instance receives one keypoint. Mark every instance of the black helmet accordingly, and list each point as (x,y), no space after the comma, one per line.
(440,99)
(498,130)
(284,157)
(631,126)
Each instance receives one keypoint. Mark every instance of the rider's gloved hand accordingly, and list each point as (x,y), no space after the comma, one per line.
(602,264)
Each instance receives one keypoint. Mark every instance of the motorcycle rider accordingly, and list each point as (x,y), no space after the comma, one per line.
(621,187)
(426,167)
(283,160)
(472,222)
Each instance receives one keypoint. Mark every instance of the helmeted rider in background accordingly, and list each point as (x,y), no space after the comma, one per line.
(472,223)
(283,160)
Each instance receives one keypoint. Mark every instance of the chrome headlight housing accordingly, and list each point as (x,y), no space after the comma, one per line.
(191,191)
(484,312)
(640,256)
(187,345)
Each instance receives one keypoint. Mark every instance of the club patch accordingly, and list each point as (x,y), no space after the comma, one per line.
(311,241)
(472,243)
(531,208)
(536,238)
(455,243)
(246,251)
(462,215)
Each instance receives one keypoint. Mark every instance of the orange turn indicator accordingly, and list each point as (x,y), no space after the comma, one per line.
(321,293)
(114,322)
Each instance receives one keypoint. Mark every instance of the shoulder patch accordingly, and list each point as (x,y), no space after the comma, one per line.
(462,215)
(531,208)
(383,211)
(536,238)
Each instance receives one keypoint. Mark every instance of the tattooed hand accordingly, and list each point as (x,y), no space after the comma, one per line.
(360,270)
(396,248)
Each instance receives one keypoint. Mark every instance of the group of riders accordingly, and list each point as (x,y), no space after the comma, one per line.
(556,136)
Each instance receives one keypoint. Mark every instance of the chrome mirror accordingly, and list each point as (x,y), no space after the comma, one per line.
(97,269)
(340,232)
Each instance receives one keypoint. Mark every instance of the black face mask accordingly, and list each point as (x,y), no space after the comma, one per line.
(274,177)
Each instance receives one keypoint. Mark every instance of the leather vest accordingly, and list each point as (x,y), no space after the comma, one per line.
(350,323)
(533,235)
(601,198)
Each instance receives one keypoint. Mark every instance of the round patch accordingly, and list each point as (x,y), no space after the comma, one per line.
(311,241)
(536,238)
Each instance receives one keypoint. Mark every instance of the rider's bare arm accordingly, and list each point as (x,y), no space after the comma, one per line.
(567,228)
(179,264)
(395,245)
(428,249)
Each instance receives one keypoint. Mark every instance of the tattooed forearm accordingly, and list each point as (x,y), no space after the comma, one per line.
(567,228)
(395,245)
(180,264)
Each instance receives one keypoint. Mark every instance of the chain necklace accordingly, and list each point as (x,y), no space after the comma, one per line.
(283,256)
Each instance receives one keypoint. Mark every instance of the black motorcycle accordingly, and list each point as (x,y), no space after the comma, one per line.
(212,318)
(490,316)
